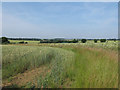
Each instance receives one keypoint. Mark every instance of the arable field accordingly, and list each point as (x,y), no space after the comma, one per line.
(60,65)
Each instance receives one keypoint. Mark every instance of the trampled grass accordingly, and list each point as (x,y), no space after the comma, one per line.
(68,65)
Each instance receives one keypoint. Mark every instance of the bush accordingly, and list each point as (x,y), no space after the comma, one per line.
(4,40)
(102,40)
(83,40)
(95,40)
(115,40)
(75,41)
(59,41)
(22,42)
(26,42)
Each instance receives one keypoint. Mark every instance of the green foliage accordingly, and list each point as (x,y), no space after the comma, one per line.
(58,41)
(4,40)
(22,42)
(75,41)
(26,42)
(84,40)
(95,40)
(115,40)
(102,40)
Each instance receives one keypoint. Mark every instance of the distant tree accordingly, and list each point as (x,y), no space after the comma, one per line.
(22,42)
(75,41)
(83,40)
(95,40)
(115,40)
(58,41)
(4,40)
(69,41)
(26,42)
(102,40)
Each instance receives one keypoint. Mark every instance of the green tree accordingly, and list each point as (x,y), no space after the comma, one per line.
(95,40)
(4,40)
(102,40)
(75,41)
(83,40)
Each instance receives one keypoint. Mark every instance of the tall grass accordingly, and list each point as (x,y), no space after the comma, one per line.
(88,69)
(58,68)
(93,69)
(17,59)
(70,65)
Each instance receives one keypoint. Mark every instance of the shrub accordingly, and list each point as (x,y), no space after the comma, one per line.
(4,40)
(83,40)
(75,41)
(102,40)
(26,42)
(59,41)
(95,40)
(22,42)
(115,40)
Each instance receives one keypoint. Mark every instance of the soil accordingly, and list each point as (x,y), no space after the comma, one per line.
(22,79)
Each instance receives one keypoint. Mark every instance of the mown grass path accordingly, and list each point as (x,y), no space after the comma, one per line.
(94,68)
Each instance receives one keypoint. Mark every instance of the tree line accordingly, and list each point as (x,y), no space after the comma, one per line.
(5,40)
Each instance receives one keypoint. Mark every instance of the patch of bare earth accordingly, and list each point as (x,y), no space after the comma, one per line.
(28,76)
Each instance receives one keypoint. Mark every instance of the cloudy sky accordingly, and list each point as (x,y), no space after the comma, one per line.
(66,20)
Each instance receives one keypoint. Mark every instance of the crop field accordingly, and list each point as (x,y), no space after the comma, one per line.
(60,65)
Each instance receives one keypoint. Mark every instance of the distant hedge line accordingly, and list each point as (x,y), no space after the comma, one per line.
(4,40)
(59,41)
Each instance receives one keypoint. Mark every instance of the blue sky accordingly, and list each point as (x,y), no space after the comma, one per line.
(66,20)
